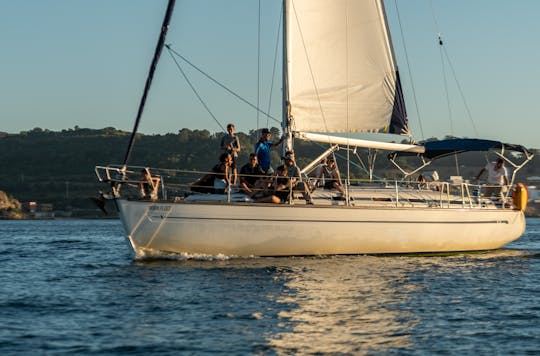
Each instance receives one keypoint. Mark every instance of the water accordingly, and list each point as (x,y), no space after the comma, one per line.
(74,287)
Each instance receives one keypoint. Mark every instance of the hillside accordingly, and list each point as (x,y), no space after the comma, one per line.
(58,166)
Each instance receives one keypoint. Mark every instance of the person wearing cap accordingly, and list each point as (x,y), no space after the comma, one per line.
(262,150)
(497,178)
(290,162)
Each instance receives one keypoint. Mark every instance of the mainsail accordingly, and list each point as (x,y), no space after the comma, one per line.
(341,72)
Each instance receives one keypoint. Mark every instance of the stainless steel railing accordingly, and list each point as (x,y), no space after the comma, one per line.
(177,184)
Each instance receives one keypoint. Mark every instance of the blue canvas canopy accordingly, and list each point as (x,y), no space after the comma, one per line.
(438,149)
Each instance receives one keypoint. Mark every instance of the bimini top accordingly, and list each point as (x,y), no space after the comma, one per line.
(438,149)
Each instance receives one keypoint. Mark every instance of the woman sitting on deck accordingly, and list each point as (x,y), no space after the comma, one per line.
(278,191)
(330,174)
(148,185)
(218,179)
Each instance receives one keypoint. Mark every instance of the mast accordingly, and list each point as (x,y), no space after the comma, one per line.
(155,60)
(285,124)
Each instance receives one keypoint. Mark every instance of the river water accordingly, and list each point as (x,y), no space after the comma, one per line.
(74,287)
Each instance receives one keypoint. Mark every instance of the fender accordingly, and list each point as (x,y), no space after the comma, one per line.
(520,196)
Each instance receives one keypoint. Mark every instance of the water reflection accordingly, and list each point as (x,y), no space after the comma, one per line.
(344,305)
(385,304)
(341,304)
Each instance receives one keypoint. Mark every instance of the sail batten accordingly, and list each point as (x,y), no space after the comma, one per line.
(341,71)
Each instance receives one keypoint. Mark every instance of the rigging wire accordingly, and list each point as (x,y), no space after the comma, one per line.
(447,95)
(169,48)
(447,92)
(364,168)
(442,52)
(148,84)
(335,154)
(275,62)
(195,92)
(410,72)
(458,84)
(460,91)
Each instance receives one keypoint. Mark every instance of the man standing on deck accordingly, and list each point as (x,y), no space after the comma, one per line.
(497,179)
(262,150)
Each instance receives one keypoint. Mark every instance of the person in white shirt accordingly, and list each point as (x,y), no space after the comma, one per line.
(497,179)
(330,175)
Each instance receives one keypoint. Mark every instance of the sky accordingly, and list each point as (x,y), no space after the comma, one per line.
(68,63)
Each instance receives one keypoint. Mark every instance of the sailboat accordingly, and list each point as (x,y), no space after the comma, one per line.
(339,77)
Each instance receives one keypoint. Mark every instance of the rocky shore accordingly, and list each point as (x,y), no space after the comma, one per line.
(10,208)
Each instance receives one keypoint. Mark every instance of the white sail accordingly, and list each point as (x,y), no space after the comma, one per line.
(341,72)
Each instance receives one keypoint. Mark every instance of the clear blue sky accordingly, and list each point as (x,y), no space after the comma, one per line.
(84,62)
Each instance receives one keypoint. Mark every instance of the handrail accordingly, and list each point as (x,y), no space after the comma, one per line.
(181,183)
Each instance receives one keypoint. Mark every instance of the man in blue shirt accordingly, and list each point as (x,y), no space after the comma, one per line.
(262,150)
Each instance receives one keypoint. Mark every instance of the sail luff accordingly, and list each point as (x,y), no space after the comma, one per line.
(386,30)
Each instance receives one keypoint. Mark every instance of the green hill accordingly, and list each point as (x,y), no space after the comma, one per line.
(58,166)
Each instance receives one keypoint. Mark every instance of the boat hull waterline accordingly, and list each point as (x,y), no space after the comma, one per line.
(285,230)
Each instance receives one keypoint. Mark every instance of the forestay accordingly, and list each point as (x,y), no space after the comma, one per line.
(341,72)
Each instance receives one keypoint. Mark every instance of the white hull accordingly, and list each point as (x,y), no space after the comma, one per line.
(247,229)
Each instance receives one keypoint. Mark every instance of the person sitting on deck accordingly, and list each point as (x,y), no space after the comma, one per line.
(222,173)
(148,185)
(429,180)
(277,191)
(331,175)
(422,182)
(250,174)
(217,180)
(294,174)
(319,171)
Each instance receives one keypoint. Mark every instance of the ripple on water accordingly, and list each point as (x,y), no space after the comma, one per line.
(75,287)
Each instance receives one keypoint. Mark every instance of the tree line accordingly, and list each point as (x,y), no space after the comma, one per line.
(58,166)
